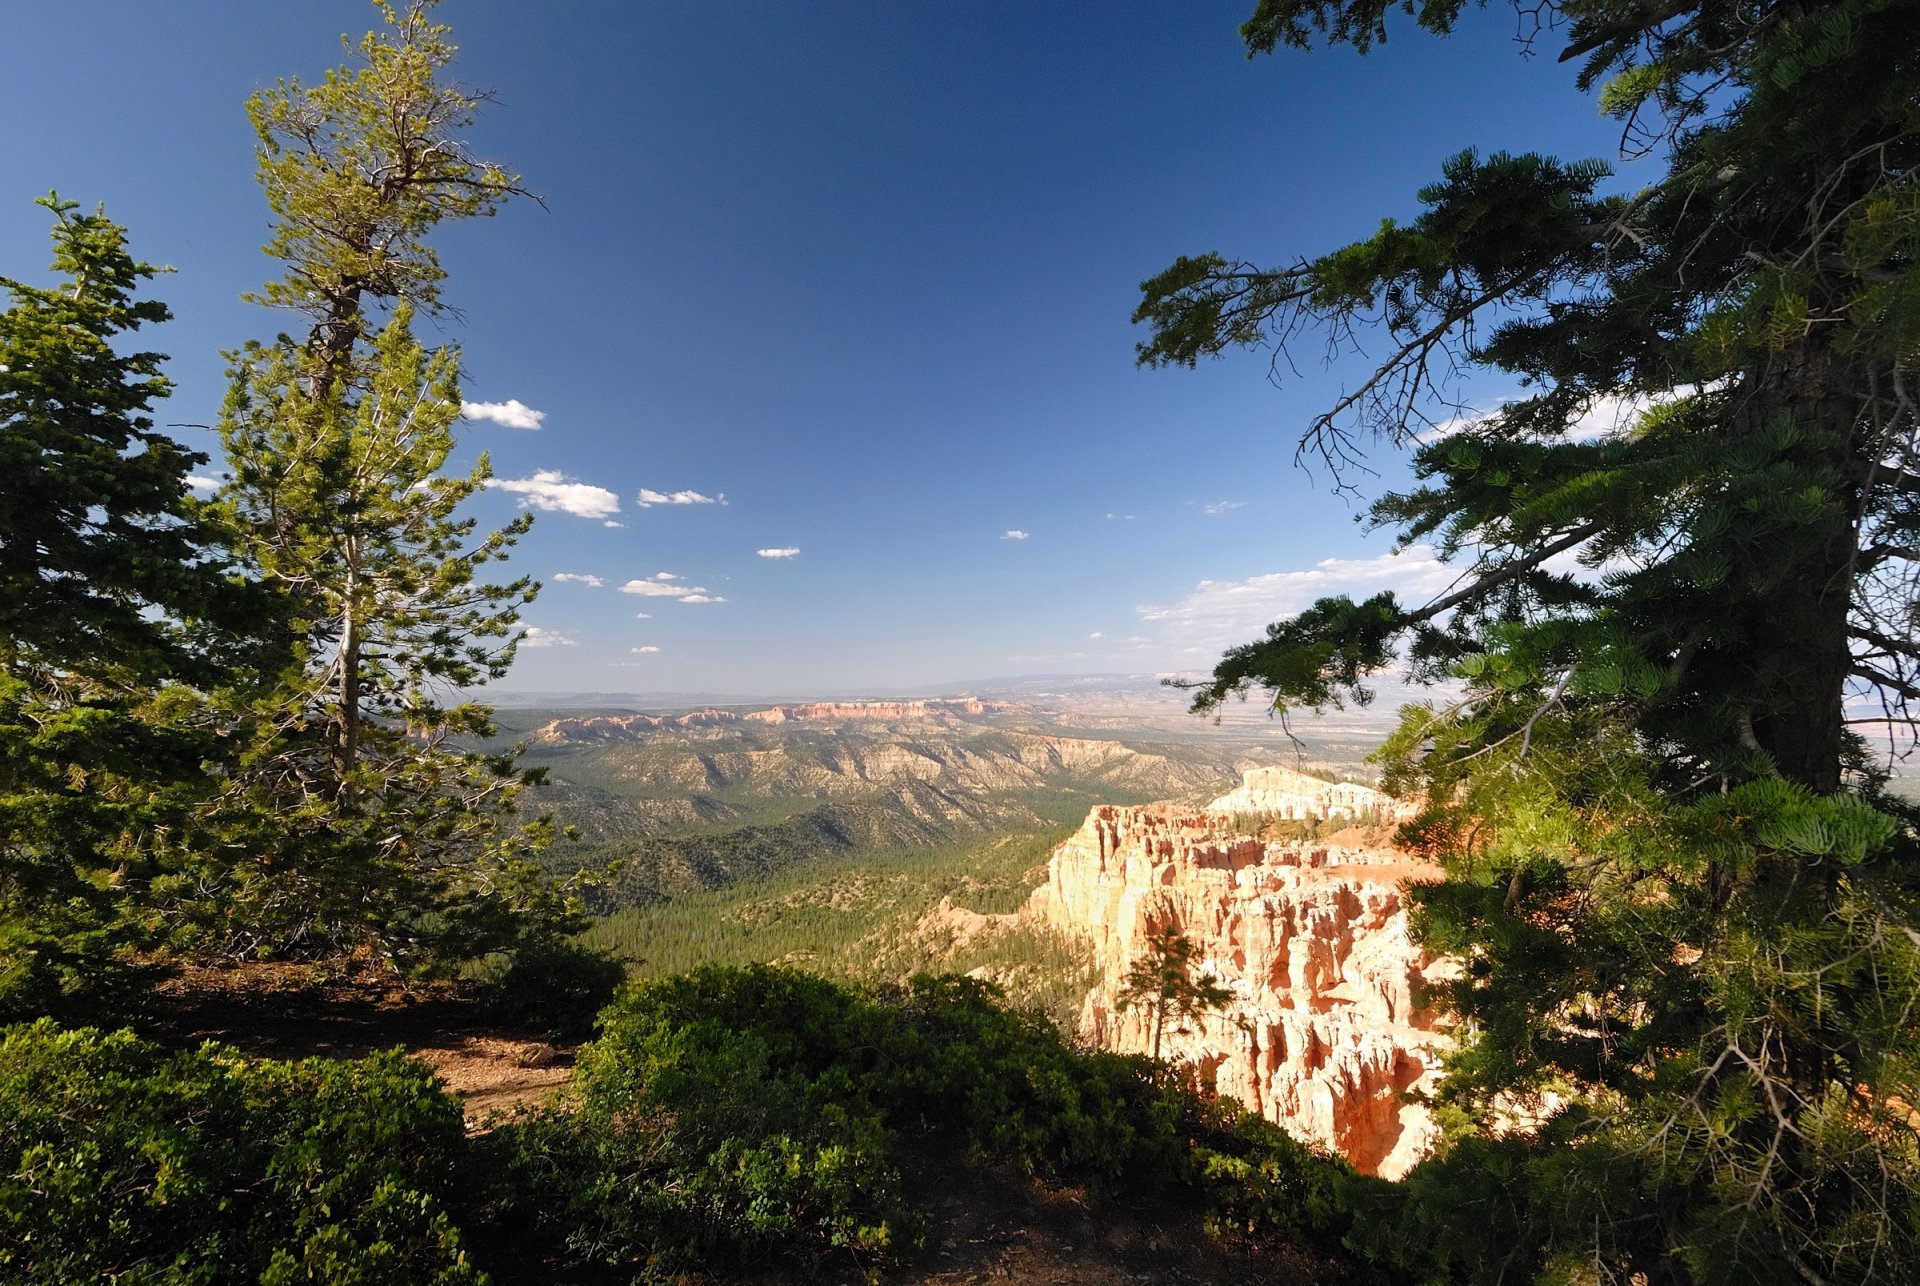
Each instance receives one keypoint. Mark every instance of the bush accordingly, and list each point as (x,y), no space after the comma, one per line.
(748,1114)
(557,986)
(123,1161)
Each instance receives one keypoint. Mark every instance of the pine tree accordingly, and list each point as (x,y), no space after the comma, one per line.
(355,822)
(114,589)
(1685,904)
(1162,979)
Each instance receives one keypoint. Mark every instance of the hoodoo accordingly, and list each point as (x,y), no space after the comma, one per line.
(1325,1033)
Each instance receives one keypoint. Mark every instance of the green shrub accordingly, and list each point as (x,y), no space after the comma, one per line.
(743,1115)
(123,1161)
(556,986)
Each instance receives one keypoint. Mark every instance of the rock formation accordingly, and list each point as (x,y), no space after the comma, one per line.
(615,727)
(1294,796)
(1325,1031)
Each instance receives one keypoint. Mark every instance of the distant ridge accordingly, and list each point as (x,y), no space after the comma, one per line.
(619,726)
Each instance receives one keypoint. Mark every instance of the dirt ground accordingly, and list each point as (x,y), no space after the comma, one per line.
(293,1011)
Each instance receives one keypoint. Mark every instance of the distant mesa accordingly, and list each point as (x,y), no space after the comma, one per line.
(615,727)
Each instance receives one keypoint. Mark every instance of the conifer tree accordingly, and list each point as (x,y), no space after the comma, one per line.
(355,822)
(1685,903)
(113,592)
(1162,980)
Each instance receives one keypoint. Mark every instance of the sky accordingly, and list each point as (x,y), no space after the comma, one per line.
(814,360)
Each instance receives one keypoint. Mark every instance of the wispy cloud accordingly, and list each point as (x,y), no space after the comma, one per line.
(578,578)
(510,414)
(701,596)
(1221,613)
(1015,534)
(538,637)
(1097,634)
(643,616)
(1219,507)
(550,490)
(789,551)
(647,649)
(648,498)
(611,523)
(1119,517)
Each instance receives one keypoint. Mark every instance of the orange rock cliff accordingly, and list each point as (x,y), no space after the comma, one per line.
(1324,1032)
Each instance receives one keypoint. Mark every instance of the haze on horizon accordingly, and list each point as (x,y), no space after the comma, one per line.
(816,364)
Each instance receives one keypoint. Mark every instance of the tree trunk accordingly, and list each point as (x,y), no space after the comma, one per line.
(347,718)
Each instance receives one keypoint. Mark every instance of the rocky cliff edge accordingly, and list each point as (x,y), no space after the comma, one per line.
(1325,1032)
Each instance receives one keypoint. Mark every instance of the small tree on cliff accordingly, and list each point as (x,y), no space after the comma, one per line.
(1686,909)
(1162,979)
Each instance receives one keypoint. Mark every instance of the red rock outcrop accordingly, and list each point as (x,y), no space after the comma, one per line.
(616,727)
(1324,1032)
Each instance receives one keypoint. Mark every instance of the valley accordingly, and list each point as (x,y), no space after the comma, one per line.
(700,798)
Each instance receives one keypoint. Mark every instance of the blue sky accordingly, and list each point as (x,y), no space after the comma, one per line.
(865,270)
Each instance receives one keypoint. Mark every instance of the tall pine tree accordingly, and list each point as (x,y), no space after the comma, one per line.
(356,822)
(1685,904)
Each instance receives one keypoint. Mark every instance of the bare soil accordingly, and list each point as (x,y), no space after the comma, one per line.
(297,1011)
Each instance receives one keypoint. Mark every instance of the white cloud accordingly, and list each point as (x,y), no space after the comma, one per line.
(668,585)
(648,648)
(578,578)
(1096,635)
(549,489)
(200,482)
(1223,613)
(611,523)
(787,552)
(1015,534)
(1119,517)
(658,589)
(648,498)
(537,637)
(643,616)
(510,414)
(1219,507)
(1607,416)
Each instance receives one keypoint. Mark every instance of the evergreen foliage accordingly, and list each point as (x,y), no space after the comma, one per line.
(352,821)
(1162,980)
(113,592)
(1685,906)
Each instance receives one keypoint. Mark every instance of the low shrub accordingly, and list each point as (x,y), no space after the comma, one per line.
(558,987)
(122,1161)
(754,1113)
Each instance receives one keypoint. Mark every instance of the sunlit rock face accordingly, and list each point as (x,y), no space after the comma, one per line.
(1294,796)
(1325,1032)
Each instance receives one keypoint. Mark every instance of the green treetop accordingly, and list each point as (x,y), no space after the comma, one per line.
(1684,904)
